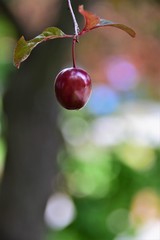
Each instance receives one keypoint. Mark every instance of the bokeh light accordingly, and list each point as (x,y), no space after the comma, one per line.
(60,211)
(108,131)
(80,135)
(137,157)
(145,207)
(150,230)
(85,169)
(118,220)
(103,100)
(122,74)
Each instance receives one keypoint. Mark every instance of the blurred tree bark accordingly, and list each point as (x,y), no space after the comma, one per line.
(32,135)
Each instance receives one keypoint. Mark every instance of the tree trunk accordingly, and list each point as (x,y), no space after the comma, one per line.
(32,141)
(32,137)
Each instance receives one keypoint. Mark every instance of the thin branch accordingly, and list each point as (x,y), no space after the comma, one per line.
(76,27)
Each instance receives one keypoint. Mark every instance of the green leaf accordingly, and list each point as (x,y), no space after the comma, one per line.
(24,48)
(92,21)
(123,27)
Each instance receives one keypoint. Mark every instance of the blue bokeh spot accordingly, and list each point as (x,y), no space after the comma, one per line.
(103,100)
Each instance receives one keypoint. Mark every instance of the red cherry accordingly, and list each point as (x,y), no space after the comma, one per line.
(73,88)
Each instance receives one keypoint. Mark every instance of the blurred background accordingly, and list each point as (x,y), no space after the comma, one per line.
(88,174)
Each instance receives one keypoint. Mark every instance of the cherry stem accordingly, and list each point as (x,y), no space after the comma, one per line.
(73,50)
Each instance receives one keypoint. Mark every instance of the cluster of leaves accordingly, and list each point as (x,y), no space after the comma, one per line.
(24,47)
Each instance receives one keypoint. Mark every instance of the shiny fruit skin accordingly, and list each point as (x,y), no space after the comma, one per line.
(73,88)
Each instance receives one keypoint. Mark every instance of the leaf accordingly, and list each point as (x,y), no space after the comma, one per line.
(92,21)
(24,48)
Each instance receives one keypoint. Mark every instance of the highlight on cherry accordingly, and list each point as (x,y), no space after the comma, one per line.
(72,85)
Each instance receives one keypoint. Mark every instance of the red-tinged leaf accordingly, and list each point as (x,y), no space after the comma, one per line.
(92,21)
(24,48)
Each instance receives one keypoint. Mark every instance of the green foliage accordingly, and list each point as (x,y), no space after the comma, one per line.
(7,35)
(104,216)
(24,48)
(6,27)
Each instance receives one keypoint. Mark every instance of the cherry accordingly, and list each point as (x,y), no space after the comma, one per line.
(73,88)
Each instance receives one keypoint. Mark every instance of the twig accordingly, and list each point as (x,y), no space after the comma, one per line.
(76,27)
